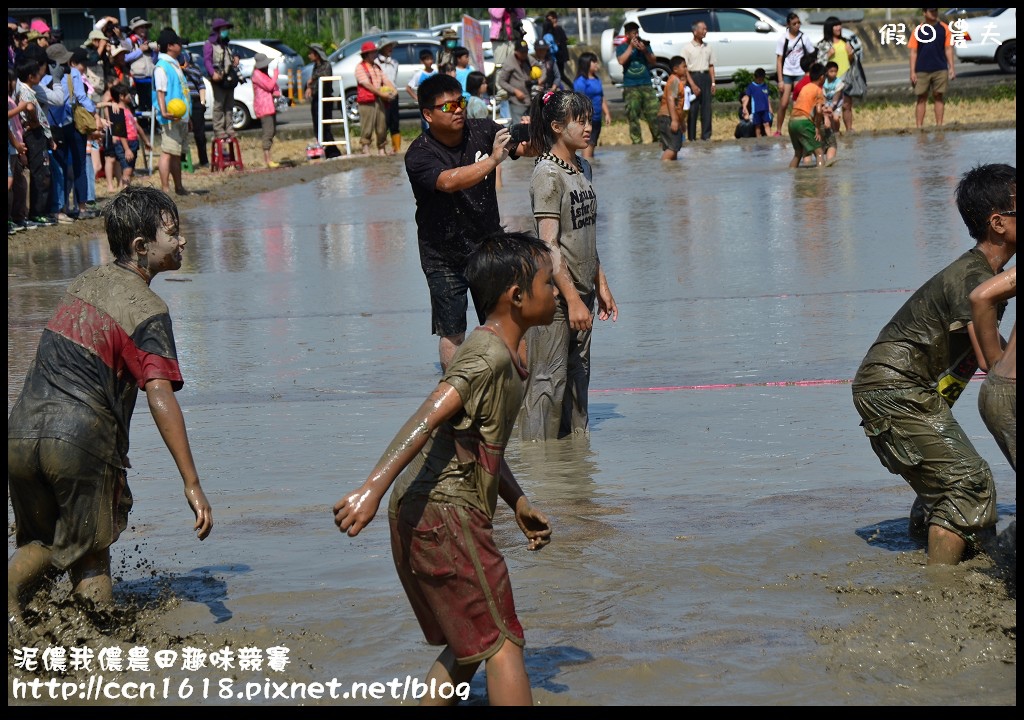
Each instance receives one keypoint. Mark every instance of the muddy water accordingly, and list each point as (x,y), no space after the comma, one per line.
(725,536)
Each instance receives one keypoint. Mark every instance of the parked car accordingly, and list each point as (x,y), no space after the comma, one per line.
(991,39)
(743,38)
(406,53)
(352,48)
(243,112)
(282,57)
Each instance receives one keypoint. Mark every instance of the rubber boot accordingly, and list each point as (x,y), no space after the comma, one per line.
(396,142)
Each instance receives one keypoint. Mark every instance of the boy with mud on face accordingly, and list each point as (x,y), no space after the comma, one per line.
(452,453)
(67,435)
(922,359)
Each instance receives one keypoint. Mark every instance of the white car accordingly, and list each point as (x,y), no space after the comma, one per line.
(990,39)
(407,54)
(743,38)
(282,58)
(243,112)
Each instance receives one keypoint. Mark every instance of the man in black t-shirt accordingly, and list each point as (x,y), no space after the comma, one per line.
(451,168)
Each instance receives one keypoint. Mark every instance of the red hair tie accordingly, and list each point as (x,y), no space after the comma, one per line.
(547,96)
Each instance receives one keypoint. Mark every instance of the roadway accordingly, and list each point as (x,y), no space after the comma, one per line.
(889,78)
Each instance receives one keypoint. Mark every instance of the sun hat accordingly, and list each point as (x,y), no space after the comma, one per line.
(368,47)
(319,50)
(139,22)
(116,50)
(58,53)
(34,35)
(385,41)
(262,61)
(220,24)
(39,26)
(96,35)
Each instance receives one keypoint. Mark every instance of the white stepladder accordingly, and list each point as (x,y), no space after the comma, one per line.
(340,99)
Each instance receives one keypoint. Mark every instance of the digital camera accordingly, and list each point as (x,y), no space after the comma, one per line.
(520,133)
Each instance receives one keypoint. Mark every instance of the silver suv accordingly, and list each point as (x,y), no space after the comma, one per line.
(743,38)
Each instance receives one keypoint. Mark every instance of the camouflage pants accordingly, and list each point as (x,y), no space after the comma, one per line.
(641,103)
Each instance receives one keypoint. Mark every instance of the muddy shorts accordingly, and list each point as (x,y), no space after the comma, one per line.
(997,403)
(455,578)
(914,434)
(65,499)
(801,134)
(558,358)
(932,82)
(829,140)
(671,141)
(449,300)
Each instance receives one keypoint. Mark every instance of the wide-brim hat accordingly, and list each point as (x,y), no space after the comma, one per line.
(96,35)
(262,61)
(221,24)
(368,47)
(58,53)
(39,26)
(139,22)
(34,35)
(319,50)
(386,42)
(116,50)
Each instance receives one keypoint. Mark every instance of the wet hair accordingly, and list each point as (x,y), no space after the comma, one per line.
(584,62)
(474,81)
(561,106)
(816,72)
(982,191)
(434,87)
(503,259)
(138,210)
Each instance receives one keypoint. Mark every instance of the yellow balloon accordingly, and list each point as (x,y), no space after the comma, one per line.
(176,108)
(536,72)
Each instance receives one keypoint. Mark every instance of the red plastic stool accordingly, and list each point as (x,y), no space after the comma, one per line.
(219,159)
